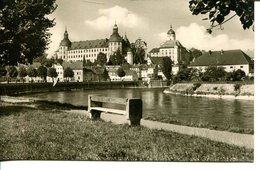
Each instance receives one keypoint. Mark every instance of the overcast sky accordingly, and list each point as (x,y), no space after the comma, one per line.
(148,19)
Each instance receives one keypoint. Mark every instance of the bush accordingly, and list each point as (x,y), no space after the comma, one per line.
(196,85)
(237,86)
(213,73)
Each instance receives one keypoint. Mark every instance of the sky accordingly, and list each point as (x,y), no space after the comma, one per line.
(146,19)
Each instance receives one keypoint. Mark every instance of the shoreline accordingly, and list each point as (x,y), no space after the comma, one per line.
(225,96)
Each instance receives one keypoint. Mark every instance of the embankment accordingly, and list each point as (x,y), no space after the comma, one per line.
(22,88)
(232,91)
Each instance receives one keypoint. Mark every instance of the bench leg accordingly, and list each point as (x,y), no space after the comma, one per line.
(94,114)
(134,111)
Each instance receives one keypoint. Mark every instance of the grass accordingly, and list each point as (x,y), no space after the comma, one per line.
(51,134)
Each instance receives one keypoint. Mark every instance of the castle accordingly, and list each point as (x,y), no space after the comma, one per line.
(89,49)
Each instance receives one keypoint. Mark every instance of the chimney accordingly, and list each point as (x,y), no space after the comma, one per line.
(222,52)
(210,52)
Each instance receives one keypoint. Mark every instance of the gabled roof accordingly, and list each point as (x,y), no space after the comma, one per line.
(154,50)
(159,60)
(99,43)
(229,57)
(78,65)
(171,44)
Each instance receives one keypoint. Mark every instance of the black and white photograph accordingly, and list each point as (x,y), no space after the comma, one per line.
(127,81)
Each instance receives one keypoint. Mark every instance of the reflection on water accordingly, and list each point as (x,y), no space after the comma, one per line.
(238,113)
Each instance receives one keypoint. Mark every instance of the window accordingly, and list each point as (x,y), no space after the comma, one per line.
(231,66)
(241,67)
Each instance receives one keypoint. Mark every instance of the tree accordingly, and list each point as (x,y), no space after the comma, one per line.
(167,67)
(42,72)
(101,59)
(117,58)
(120,72)
(219,10)
(52,73)
(22,72)
(195,53)
(89,63)
(213,73)
(2,71)
(59,60)
(237,75)
(24,29)
(126,67)
(12,72)
(31,72)
(105,74)
(68,73)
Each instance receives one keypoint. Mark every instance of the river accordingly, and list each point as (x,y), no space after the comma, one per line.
(167,107)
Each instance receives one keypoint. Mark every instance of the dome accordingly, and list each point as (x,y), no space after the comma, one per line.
(115,37)
(65,42)
(171,31)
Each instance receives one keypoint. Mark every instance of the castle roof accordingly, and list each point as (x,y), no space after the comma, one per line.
(99,43)
(171,44)
(159,60)
(229,57)
(171,31)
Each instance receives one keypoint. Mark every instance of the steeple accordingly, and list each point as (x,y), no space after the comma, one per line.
(65,42)
(115,28)
(171,33)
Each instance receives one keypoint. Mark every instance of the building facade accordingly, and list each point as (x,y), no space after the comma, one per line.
(171,48)
(230,60)
(89,49)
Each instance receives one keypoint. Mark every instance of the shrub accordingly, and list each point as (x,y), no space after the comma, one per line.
(237,86)
(196,85)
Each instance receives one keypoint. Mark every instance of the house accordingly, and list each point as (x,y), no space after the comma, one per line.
(77,68)
(173,49)
(231,60)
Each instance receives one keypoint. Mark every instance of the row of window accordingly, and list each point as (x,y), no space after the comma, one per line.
(84,55)
(240,67)
(88,50)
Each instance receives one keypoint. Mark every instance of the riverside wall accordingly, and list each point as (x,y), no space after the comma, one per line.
(234,90)
(23,88)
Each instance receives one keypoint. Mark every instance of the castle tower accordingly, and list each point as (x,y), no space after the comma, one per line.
(171,34)
(115,42)
(65,44)
(130,57)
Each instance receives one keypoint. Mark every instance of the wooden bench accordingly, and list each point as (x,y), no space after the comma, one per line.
(132,108)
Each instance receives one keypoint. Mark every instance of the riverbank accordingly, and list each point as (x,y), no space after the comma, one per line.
(48,132)
(224,91)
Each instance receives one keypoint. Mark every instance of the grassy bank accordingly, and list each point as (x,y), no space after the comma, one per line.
(51,133)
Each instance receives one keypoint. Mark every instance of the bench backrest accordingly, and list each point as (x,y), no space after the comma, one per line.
(122,101)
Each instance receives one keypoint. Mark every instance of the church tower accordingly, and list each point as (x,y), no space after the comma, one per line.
(171,34)
(115,42)
(65,45)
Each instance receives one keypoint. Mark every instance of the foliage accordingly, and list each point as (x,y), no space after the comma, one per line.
(101,59)
(59,60)
(105,74)
(237,86)
(89,63)
(2,71)
(31,71)
(52,72)
(213,73)
(126,66)
(68,72)
(167,67)
(219,10)
(138,54)
(120,72)
(22,72)
(42,72)
(237,75)
(24,29)
(195,53)
(12,71)
(117,58)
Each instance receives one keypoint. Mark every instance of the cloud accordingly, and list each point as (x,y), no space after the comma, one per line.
(196,36)
(122,16)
